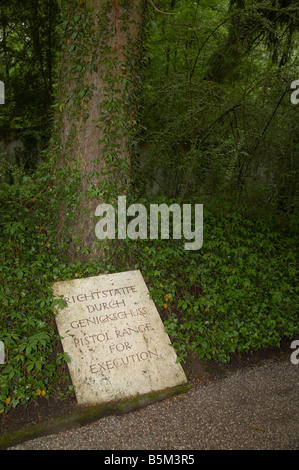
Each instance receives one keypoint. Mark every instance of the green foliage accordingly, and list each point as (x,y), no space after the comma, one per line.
(217,112)
(30,261)
(236,294)
(28,52)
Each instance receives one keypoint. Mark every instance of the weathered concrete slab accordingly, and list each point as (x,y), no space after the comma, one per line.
(114,336)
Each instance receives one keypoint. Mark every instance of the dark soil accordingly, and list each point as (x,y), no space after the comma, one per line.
(199,372)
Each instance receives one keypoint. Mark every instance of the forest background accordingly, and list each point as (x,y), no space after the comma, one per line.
(208,119)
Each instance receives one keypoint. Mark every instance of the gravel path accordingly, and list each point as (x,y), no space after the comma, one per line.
(251,408)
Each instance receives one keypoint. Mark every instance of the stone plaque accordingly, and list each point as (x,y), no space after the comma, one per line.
(115,339)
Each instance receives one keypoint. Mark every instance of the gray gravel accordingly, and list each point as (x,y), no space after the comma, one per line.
(251,408)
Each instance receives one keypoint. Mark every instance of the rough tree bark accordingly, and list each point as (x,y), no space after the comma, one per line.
(95,110)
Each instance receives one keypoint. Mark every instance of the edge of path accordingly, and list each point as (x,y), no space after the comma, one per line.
(87,414)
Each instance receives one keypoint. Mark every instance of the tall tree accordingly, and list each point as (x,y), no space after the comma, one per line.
(249,23)
(95,110)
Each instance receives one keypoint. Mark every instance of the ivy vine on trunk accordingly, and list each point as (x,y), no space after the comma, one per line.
(95,113)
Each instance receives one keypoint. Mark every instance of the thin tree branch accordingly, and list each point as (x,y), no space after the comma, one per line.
(160,11)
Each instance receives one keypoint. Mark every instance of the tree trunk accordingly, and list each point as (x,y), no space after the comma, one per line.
(95,113)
